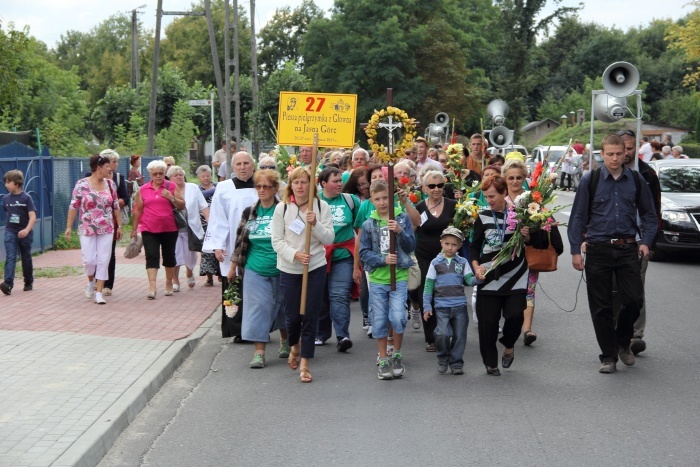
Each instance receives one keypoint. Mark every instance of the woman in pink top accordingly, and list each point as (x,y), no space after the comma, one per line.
(95,198)
(154,220)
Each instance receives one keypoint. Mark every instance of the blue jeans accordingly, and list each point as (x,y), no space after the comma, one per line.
(451,334)
(387,307)
(12,244)
(336,306)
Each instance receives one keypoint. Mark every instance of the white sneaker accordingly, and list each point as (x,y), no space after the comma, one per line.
(369,332)
(89,290)
(99,299)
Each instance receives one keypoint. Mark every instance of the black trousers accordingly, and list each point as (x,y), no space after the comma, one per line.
(109,283)
(154,243)
(303,327)
(603,263)
(488,310)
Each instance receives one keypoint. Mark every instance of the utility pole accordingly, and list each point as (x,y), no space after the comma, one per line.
(135,70)
(254,62)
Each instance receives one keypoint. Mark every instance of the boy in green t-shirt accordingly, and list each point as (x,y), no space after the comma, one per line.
(387,306)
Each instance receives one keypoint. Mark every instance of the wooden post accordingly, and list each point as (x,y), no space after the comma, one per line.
(390,175)
(307,247)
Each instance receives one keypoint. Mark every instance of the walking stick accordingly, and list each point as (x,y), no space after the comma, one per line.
(307,247)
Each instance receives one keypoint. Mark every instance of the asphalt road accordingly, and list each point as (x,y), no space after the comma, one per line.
(552,407)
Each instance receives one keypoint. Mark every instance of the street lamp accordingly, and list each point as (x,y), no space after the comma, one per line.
(135,72)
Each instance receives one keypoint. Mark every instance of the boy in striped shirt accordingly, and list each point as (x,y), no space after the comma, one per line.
(445,281)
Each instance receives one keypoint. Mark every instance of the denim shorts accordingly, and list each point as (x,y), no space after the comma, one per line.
(387,307)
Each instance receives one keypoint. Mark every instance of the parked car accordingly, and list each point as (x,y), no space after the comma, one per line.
(503,151)
(680,206)
(550,157)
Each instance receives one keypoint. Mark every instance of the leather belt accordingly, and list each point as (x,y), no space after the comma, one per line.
(621,241)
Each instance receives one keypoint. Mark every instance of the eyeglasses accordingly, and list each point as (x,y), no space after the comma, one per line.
(510,179)
(264,187)
(263,167)
(432,186)
(156,174)
(363,185)
(625,132)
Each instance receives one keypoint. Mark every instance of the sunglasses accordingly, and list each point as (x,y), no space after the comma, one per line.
(262,167)
(515,178)
(625,133)
(264,187)
(432,186)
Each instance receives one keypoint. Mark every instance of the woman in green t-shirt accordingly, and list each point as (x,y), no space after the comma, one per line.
(256,261)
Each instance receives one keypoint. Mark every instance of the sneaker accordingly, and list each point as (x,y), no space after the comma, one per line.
(378,358)
(344,344)
(638,345)
(107,292)
(365,323)
(28,287)
(384,371)
(284,350)
(415,318)
(369,332)
(608,367)
(258,360)
(626,355)
(319,341)
(398,369)
(389,350)
(430,347)
(99,299)
(6,288)
(457,370)
(442,368)
(89,290)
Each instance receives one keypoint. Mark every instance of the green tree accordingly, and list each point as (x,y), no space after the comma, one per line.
(280,38)
(175,140)
(679,108)
(686,38)
(12,44)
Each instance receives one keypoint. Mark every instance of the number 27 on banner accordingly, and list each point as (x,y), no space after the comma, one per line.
(302,115)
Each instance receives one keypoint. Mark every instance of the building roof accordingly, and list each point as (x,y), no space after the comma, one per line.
(533,125)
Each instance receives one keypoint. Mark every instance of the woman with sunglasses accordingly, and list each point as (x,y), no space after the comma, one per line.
(436,213)
(95,199)
(154,220)
(255,260)
(268,163)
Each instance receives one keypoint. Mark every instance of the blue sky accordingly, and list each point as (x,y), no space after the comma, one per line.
(48,19)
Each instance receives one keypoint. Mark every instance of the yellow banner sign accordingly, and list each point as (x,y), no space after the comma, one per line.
(331,116)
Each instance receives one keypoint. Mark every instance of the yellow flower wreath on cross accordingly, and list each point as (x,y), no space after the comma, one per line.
(406,143)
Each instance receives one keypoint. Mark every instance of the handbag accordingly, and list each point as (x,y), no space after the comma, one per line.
(413,274)
(180,217)
(194,243)
(133,249)
(541,260)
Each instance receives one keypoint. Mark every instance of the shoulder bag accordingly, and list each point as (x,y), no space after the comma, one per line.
(541,260)
(180,216)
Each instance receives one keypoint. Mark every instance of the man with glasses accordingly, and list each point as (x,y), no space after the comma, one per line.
(652,180)
(231,197)
(610,228)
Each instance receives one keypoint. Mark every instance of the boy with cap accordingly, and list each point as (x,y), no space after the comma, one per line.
(447,275)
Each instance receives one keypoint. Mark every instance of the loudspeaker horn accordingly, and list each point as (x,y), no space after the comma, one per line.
(620,79)
(442,119)
(609,109)
(498,111)
(501,137)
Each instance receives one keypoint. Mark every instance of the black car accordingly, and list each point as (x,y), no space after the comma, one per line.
(680,205)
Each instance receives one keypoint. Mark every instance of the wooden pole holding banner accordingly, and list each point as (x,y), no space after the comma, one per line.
(307,246)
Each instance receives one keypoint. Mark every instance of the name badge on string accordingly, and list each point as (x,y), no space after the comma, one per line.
(423,218)
(14,218)
(297,226)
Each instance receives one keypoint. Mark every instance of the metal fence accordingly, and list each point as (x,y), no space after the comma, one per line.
(49,181)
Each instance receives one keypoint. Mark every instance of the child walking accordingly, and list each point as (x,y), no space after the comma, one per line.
(21,216)
(387,306)
(447,275)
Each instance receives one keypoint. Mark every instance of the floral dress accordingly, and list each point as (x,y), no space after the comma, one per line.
(209,263)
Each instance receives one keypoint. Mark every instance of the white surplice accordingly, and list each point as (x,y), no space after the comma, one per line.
(225,213)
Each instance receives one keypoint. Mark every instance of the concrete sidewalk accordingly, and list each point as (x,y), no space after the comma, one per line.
(73,373)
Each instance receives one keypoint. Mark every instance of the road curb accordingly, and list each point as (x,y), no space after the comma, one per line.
(92,445)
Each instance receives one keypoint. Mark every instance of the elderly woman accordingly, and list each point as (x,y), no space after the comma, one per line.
(261,280)
(436,213)
(154,220)
(195,204)
(677,153)
(501,291)
(209,265)
(95,199)
(289,224)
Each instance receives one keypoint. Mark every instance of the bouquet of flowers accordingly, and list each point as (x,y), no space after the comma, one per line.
(466,213)
(529,209)
(232,297)
(285,161)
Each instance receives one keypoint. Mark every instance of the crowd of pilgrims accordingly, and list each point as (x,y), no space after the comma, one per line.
(257,230)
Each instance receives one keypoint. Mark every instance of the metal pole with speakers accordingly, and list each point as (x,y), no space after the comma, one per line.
(436,131)
(620,81)
(500,136)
